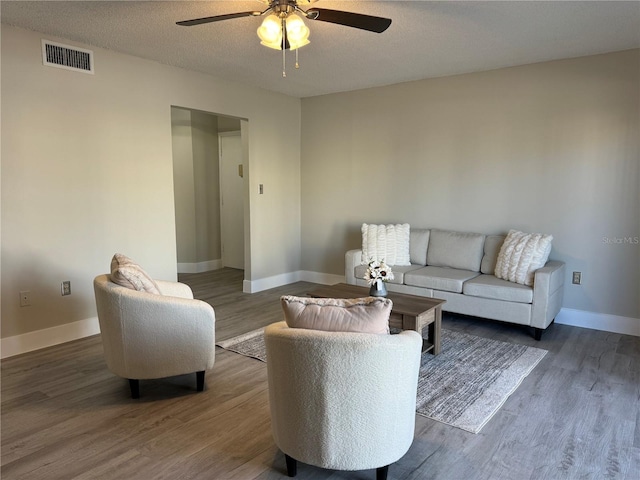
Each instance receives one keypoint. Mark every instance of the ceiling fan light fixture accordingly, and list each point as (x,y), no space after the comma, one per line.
(297,32)
(270,32)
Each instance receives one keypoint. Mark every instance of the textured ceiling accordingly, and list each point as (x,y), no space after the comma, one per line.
(426,39)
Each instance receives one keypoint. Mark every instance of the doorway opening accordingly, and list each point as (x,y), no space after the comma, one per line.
(210,153)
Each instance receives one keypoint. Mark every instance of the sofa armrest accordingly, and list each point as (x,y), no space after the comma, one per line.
(352,259)
(548,290)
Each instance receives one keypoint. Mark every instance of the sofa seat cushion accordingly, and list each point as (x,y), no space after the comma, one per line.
(488,286)
(397,270)
(439,278)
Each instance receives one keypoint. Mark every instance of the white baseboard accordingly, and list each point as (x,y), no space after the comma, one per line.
(254,286)
(200,266)
(321,278)
(48,337)
(599,321)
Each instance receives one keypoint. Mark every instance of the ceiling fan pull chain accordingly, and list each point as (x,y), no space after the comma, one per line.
(284,64)
(297,64)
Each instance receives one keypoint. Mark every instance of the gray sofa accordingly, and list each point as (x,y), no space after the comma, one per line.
(459,268)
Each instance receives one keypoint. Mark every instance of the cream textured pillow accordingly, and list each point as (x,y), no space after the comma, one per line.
(125,272)
(386,242)
(361,315)
(521,255)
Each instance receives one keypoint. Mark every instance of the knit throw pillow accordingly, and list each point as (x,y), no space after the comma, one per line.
(388,243)
(126,273)
(360,315)
(521,255)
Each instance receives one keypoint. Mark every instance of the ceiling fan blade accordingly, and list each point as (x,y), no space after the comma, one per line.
(349,19)
(216,18)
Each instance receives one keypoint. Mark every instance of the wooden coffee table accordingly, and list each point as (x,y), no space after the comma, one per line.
(409,312)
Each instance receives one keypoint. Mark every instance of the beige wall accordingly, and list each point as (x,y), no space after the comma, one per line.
(87,172)
(204,128)
(183,185)
(196,185)
(228,124)
(550,147)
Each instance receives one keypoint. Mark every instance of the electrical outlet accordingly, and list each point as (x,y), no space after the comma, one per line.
(577,278)
(66,288)
(25,298)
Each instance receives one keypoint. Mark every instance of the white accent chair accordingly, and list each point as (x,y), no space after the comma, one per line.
(341,400)
(146,336)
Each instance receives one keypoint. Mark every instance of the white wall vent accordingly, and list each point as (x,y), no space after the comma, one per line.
(67,57)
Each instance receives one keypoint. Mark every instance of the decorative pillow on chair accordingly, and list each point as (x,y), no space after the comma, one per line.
(386,242)
(361,315)
(126,273)
(521,255)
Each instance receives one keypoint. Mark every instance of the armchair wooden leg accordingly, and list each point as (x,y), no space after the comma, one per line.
(134,385)
(292,465)
(381,472)
(200,380)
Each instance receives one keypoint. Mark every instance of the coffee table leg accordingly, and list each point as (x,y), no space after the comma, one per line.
(435,331)
(431,319)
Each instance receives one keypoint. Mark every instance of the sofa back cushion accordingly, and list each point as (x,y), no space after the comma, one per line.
(361,315)
(418,244)
(492,246)
(455,249)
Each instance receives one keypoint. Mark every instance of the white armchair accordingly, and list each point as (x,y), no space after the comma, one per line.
(146,335)
(343,401)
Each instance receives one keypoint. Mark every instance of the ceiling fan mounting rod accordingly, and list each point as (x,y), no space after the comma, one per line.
(284,8)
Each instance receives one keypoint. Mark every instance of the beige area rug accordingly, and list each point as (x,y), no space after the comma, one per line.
(464,386)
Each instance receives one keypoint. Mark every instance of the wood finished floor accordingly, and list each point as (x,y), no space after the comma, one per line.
(64,416)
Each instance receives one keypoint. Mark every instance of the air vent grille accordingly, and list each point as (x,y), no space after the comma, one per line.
(67,57)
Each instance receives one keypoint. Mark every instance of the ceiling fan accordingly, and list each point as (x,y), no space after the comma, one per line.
(283,29)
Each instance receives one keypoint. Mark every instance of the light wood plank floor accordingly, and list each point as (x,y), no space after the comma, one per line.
(64,416)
